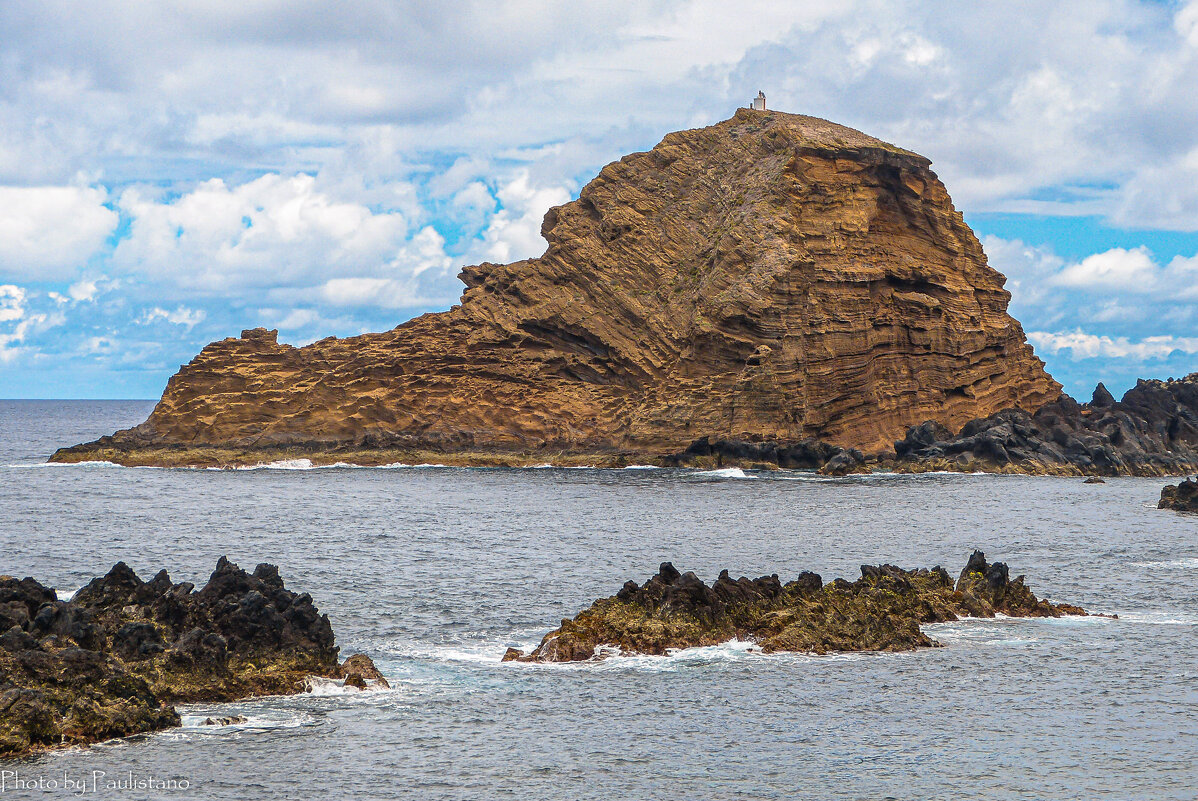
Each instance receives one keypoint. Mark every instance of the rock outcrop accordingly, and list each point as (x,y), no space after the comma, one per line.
(110,661)
(772,277)
(1180,498)
(1153,431)
(881,611)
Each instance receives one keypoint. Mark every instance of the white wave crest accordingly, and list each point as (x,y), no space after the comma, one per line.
(724,472)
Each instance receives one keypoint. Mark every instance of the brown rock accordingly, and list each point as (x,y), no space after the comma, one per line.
(881,611)
(1181,498)
(772,276)
(359,669)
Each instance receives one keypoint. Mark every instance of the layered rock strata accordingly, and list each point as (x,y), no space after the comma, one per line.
(109,662)
(881,611)
(1181,498)
(773,276)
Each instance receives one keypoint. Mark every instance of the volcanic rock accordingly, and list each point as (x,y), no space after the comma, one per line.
(1152,431)
(359,671)
(772,277)
(1182,498)
(881,611)
(108,662)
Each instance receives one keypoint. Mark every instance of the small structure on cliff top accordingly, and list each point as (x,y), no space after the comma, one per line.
(759,101)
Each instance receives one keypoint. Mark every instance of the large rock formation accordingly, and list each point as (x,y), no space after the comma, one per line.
(109,662)
(881,611)
(1153,431)
(773,276)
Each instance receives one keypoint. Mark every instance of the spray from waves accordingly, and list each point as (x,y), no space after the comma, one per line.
(1162,617)
(92,463)
(319,687)
(1170,564)
(723,472)
(307,464)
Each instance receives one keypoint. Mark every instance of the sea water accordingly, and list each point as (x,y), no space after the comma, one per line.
(435,571)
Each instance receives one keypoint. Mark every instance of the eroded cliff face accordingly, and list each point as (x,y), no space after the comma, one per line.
(772,276)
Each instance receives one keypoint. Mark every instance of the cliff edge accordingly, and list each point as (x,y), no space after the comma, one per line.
(774,276)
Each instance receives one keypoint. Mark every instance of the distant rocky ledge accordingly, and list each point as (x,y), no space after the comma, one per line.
(1152,431)
(881,611)
(1180,498)
(109,662)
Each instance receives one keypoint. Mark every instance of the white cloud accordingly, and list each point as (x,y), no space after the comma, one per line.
(181,315)
(12,303)
(19,323)
(82,291)
(46,232)
(1186,22)
(1118,268)
(1088,346)
(515,231)
(274,231)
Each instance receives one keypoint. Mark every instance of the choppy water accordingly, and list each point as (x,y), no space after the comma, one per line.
(435,571)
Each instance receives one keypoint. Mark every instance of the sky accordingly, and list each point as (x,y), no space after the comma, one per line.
(174,172)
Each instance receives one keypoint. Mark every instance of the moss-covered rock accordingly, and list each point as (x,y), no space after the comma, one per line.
(881,611)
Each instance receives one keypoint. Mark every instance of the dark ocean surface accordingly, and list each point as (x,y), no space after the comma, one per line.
(434,571)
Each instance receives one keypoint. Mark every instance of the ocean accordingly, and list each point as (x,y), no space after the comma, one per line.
(434,571)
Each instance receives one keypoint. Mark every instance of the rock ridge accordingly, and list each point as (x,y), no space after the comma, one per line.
(881,611)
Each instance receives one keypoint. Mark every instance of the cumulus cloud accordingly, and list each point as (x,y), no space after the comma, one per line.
(47,232)
(1117,268)
(181,315)
(18,322)
(1088,346)
(12,303)
(271,231)
(515,231)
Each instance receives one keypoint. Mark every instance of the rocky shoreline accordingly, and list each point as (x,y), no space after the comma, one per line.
(1152,431)
(1180,498)
(881,611)
(110,662)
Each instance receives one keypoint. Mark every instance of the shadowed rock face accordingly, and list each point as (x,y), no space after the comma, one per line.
(106,663)
(772,276)
(1181,498)
(1152,431)
(881,611)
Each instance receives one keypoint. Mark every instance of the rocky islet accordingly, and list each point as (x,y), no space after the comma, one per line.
(111,661)
(881,611)
(773,277)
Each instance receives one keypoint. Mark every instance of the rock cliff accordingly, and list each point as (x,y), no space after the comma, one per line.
(774,276)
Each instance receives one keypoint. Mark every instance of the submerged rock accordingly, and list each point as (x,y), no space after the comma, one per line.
(881,611)
(231,720)
(1181,498)
(359,671)
(108,662)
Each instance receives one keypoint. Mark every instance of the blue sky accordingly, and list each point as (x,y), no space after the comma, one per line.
(171,173)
